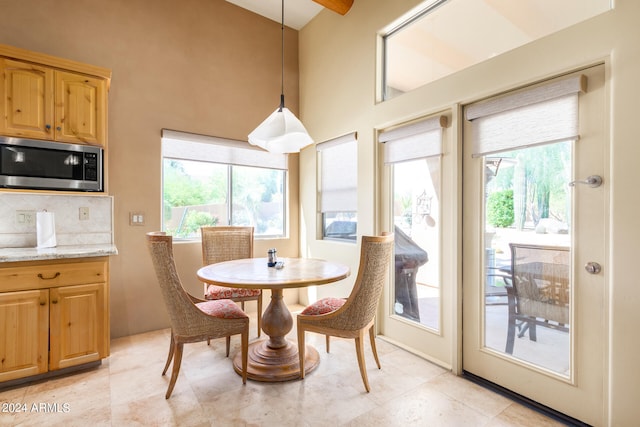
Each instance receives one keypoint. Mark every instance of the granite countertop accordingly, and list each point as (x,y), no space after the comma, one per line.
(59,252)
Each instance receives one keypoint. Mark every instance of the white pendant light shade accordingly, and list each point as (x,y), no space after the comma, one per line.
(281,132)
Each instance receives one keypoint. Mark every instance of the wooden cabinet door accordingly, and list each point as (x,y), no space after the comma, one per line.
(78,325)
(26,93)
(81,108)
(24,333)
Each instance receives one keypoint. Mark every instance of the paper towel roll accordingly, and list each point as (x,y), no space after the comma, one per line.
(45,229)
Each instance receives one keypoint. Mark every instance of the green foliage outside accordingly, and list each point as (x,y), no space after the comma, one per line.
(193,221)
(407,206)
(500,208)
(182,189)
(193,185)
(538,177)
(253,187)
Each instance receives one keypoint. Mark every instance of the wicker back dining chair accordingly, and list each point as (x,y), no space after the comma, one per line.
(354,316)
(192,319)
(226,243)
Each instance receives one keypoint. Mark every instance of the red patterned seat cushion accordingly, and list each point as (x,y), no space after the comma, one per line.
(222,308)
(324,306)
(222,292)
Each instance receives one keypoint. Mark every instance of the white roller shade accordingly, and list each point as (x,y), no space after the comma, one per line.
(190,146)
(542,115)
(415,141)
(339,174)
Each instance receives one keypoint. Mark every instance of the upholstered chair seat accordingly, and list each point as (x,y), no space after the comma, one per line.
(222,309)
(323,306)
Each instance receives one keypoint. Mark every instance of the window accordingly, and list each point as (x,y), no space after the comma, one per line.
(437,40)
(338,192)
(213,181)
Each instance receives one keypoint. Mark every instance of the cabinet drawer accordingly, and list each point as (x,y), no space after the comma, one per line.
(41,276)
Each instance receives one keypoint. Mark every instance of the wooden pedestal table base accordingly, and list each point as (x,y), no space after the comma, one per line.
(276,359)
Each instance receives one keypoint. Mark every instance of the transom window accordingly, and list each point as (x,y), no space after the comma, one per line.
(443,36)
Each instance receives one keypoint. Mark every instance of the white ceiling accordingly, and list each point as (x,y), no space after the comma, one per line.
(296,12)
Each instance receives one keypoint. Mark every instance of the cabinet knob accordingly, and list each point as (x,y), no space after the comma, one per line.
(47,127)
(54,301)
(58,128)
(43,302)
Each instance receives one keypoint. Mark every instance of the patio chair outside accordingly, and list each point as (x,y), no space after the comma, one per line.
(540,292)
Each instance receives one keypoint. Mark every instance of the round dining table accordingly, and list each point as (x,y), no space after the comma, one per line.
(276,358)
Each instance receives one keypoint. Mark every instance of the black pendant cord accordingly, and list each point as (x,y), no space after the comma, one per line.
(282,59)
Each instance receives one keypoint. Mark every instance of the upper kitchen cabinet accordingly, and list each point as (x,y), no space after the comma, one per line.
(45,97)
(81,108)
(27,100)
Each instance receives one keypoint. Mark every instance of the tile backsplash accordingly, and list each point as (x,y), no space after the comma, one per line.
(70,229)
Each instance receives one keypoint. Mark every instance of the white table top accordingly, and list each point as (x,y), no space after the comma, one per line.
(253,273)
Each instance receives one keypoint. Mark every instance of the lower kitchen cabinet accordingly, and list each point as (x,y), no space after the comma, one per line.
(77,325)
(53,315)
(24,338)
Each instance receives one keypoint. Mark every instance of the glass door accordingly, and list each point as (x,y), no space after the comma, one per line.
(418,199)
(416,221)
(527,255)
(533,246)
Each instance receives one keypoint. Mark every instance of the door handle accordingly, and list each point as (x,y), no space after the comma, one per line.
(592,181)
(593,267)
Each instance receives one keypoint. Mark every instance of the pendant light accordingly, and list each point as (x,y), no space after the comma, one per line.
(281,132)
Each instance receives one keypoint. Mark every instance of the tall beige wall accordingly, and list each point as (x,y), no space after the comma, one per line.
(202,66)
(338,82)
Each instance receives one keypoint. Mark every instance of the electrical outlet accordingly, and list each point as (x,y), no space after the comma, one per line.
(24,217)
(136,218)
(83,213)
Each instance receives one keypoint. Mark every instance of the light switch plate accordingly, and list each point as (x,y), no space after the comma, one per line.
(136,218)
(25,217)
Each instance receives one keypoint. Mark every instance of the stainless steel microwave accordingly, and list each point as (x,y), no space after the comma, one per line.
(48,165)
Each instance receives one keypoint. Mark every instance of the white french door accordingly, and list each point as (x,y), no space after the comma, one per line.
(534,244)
(418,198)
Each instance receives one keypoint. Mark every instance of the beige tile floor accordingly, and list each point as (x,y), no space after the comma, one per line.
(128,390)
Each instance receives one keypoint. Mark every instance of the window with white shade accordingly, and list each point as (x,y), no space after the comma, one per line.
(338,187)
(216,181)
